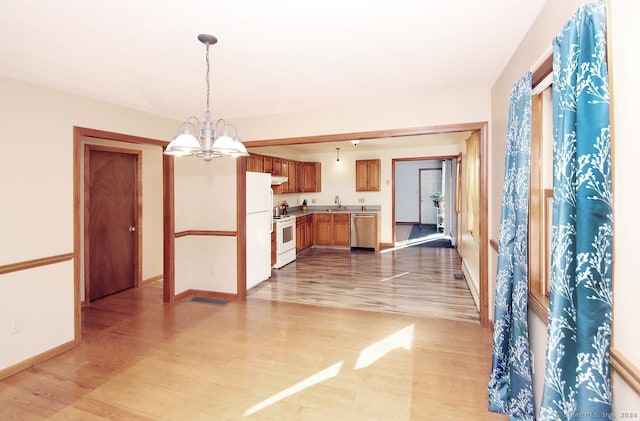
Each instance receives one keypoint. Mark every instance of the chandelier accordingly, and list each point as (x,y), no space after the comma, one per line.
(216,140)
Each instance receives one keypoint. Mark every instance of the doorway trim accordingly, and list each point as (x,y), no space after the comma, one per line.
(482,127)
(78,134)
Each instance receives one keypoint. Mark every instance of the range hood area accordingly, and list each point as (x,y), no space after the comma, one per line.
(276,180)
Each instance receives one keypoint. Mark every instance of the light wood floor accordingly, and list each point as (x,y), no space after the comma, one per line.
(258,359)
(412,280)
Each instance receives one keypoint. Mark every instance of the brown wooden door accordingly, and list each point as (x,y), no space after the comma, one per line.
(111,218)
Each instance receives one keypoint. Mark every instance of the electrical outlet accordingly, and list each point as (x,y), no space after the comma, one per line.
(16,327)
(313,201)
(361,200)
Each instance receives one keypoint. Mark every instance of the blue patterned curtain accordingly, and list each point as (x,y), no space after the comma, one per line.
(577,378)
(510,390)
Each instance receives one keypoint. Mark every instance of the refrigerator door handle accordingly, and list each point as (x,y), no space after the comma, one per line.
(271,208)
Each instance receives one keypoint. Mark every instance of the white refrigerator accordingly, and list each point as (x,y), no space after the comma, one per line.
(259,227)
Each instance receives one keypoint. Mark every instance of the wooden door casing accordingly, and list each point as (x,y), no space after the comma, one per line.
(112,220)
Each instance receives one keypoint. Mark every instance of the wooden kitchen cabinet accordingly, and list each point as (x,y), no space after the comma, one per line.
(276,165)
(299,177)
(304,232)
(332,229)
(341,229)
(311,177)
(267,164)
(322,232)
(291,184)
(284,187)
(308,233)
(255,163)
(368,175)
(299,238)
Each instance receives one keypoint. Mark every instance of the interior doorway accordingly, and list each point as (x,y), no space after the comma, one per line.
(157,169)
(430,181)
(112,192)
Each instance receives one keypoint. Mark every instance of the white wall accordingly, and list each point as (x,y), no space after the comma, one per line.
(408,188)
(205,199)
(626,290)
(36,216)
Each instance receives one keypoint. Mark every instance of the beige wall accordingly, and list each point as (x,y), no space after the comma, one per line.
(538,39)
(623,34)
(205,199)
(36,216)
(454,108)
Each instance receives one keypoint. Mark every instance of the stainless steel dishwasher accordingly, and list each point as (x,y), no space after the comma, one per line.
(363,230)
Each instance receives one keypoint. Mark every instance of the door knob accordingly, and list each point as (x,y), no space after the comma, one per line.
(132,228)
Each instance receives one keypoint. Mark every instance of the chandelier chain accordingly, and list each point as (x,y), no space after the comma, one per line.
(207,114)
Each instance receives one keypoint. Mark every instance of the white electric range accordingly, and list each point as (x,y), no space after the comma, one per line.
(285,240)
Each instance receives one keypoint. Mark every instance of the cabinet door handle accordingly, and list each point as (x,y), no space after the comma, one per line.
(132,228)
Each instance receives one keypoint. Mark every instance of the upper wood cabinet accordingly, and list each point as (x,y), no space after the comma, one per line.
(267,164)
(301,176)
(285,173)
(368,175)
(255,163)
(291,184)
(311,178)
(277,166)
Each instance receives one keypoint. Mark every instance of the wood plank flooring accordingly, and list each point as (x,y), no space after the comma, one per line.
(144,360)
(412,280)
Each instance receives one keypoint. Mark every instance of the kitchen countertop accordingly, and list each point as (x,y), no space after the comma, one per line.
(296,211)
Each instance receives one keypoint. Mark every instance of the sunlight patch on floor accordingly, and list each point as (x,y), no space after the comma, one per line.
(408,243)
(401,339)
(395,276)
(319,377)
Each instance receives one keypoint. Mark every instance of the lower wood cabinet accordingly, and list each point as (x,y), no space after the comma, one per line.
(341,229)
(304,232)
(332,229)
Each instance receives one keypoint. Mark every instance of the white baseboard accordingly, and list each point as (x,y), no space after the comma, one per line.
(472,282)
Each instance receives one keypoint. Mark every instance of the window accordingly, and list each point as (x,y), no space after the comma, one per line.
(541,196)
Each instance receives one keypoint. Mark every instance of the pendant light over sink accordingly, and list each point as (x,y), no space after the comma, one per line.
(214,141)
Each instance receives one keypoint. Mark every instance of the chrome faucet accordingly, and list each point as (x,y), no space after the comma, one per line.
(337,201)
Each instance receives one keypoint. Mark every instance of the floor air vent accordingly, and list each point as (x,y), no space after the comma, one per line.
(458,276)
(213,301)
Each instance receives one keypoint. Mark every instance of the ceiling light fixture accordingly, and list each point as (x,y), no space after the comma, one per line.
(337,154)
(355,142)
(215,140)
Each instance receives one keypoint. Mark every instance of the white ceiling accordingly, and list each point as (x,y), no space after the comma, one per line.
(272,57)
